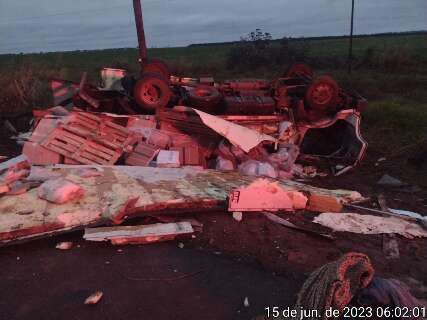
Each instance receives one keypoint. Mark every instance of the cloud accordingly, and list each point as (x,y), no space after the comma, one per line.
(50,25)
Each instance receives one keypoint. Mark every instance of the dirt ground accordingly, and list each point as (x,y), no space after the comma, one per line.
(212,274)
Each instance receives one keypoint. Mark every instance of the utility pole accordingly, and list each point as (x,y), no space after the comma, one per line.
(140,32)
(350,49)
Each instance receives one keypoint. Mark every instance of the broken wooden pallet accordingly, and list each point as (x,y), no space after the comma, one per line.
(101,129)
(80,149)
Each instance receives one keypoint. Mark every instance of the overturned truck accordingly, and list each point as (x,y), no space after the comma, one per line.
(312,113)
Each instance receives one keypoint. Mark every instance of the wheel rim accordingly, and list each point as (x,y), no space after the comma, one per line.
(150,93)
(322,94)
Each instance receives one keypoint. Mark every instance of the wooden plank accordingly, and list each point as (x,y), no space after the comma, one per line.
(102,138)
(135,160)
(84,123)
(100,149)
(68,136)
(117,128)
(59,150)
(104,131)
(66,146)
(139,234)
(192,156)
(145,148)
(87,155)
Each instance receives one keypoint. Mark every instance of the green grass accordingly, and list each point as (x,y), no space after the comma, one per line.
(392,124)
(394,80)
(208,58)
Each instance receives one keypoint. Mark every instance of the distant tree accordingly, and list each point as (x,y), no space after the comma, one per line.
(250,51)
(257,49)
(258,38)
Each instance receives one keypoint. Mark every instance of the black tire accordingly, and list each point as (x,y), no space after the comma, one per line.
(158,66)
(205,98)
(298,70)
(128,83)
(152,91)
(322,94)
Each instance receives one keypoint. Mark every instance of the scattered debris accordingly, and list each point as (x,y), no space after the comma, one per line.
(4,188)
(367,224)
(238,135)
(257,169)
(168,159)
(407,213)
(400,214)
(121,192)
(94,298)
(60,191)
(263,195)
(78,137)
(142,154)
(64,245)
(21,138)
(42,174)
(223,164)
(138,234)
(391,246)
(283,222)
(196,224)
(382,159)
(246,302)
(238,216)
(11,171)
(389,181)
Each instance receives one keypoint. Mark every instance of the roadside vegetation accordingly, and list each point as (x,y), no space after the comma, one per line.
(390,70)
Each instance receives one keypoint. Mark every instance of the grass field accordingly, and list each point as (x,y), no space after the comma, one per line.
(390,70)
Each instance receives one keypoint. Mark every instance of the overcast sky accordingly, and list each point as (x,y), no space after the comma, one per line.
(58,25)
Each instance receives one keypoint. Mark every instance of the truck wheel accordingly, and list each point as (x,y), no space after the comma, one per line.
(205,98)
(322,94)
(158,66)
(152,91)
